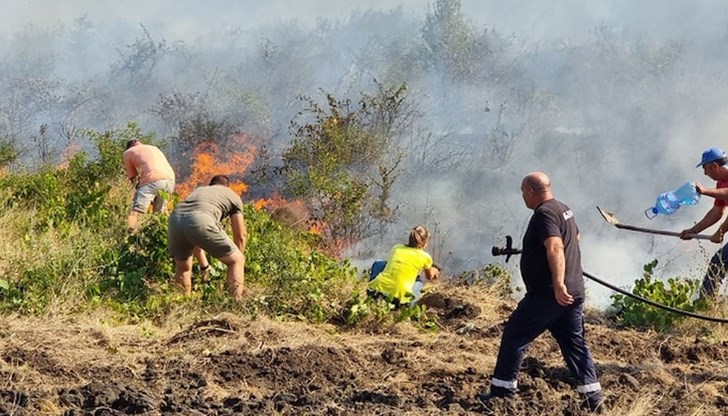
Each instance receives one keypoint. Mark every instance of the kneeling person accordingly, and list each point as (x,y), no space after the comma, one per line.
(195,222)
(396,279)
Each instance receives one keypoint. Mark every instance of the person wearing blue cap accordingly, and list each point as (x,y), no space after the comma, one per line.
(713,162)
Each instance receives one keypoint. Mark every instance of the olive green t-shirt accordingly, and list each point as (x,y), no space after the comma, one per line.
(217,201)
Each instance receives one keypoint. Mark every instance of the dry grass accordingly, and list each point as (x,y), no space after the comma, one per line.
(674,373)
(56,352)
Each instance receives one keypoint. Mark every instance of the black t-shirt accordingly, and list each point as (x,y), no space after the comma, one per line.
(551,218)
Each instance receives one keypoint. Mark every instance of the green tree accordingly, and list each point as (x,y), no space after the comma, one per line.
(344,160)
(9,152)
(450,40)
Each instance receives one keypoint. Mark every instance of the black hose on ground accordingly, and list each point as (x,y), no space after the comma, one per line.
(655,304)
(509,250)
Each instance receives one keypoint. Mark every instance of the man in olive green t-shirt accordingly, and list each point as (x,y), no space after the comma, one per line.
(195,223)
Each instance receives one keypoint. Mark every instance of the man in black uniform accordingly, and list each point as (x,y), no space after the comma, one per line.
(551,270)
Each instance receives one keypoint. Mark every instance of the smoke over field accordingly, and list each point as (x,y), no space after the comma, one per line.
(615,100)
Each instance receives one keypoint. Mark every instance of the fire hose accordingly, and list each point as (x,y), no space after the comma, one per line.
(509,251)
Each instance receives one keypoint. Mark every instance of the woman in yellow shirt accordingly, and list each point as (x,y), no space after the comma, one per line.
(396,279)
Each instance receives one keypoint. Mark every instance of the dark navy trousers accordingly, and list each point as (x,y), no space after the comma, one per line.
(535,314)
(715,274)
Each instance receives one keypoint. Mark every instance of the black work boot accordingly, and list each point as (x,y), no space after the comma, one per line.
(484,397)
(593,402)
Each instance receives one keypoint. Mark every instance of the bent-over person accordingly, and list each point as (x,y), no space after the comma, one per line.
(396,279)
(195,223)
(148,169)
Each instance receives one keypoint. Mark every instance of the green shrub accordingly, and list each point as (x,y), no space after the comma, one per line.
(40,191)
(362,310)
(142,262)
(78,192)
(292,276)
(343,163)
(677,293)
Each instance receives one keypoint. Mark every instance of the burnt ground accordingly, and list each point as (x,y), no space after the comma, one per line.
(230,365)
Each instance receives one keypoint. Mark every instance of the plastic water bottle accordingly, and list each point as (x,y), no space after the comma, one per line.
(669,202)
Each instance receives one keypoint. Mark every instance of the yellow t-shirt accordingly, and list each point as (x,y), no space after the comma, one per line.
(400,273)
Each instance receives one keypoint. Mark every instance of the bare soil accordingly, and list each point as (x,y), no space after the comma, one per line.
(231,365)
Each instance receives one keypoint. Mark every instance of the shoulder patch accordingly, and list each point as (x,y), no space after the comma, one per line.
(567,214)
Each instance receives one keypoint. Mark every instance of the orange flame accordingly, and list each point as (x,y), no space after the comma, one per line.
(259,204)
(210,161)
(316,228)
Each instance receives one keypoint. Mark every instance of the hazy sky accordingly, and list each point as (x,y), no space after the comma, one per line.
(535,19)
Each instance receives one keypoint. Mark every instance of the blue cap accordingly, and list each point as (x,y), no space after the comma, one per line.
(711,155)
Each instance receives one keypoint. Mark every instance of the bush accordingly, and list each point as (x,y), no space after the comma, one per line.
(78,192)
(9,152)
(362,310)
(293,277)
(142,262)
(343,164)
(677,293)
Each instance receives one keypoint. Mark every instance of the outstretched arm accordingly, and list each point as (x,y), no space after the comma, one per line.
(717,193)
(711,217)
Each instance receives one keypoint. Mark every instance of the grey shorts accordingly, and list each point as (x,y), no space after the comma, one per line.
(149,194)
(197,229)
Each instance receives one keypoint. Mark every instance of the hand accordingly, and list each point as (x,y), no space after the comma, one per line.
(562,295)
(699,188)
(205,273)
(434,273)
(717,237)
(684,234)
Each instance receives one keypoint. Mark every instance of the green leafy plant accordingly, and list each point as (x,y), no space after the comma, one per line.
(677,293)
(9,152)
(291,275)
(362,310)
(79,192)
(142,262)
(343,162)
